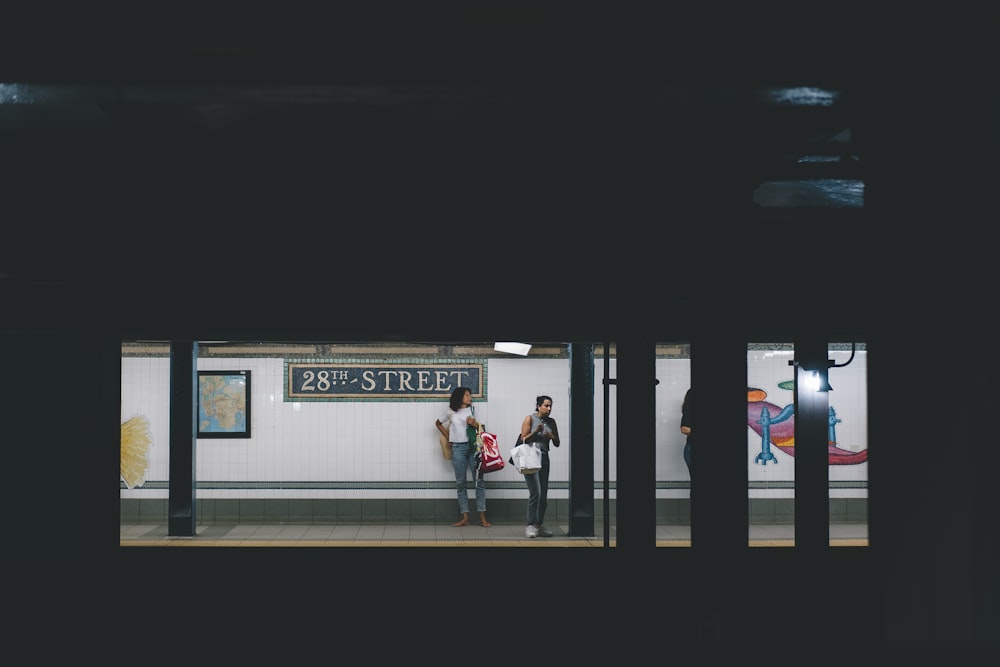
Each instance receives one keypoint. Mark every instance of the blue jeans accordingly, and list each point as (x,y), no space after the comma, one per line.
(463,460)
(538,492)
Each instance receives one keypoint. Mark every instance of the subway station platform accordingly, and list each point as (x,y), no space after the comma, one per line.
(416,535)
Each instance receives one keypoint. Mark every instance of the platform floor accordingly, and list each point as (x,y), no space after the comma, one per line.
(414,535)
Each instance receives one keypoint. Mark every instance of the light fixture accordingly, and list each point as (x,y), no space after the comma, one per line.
(521,349)
(818,379)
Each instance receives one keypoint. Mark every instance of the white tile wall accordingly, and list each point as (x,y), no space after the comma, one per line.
(395,441)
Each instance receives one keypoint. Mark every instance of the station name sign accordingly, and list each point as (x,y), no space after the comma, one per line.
(353,381)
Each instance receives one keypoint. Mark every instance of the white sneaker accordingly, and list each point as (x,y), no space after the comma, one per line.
(529,531)
(542,531)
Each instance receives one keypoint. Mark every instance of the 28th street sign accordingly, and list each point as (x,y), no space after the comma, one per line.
(354,381)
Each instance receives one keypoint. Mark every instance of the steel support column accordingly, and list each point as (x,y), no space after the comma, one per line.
(182,520)
(581,443)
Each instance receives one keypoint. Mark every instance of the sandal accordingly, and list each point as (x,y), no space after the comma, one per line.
(484,523)
(462,522)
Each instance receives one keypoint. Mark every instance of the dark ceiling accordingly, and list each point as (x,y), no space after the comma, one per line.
(355,141)
(433,42)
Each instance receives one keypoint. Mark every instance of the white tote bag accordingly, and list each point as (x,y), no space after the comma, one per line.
(527,458)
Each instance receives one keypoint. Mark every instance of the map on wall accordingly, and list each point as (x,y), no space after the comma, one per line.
(223,404)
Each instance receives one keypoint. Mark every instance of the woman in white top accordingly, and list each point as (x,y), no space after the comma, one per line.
(453,425)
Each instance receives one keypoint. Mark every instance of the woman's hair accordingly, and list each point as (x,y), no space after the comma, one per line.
(457,396)
(541,399)
(685,405)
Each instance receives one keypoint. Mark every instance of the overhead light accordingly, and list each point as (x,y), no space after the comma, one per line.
(818,381)
(521,349)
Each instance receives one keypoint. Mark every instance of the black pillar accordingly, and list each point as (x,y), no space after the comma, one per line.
(636,438)
(932,434)
(719,504)
(812,406)
(581,442)
(183,437)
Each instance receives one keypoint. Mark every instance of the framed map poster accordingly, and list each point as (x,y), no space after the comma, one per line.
(223,404)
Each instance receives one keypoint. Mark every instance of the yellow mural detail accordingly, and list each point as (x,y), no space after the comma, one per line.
(135,445)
